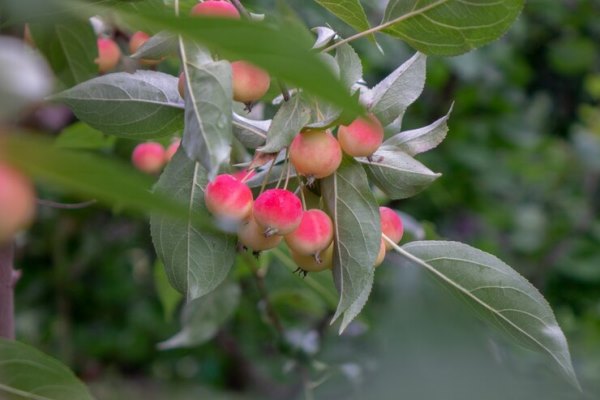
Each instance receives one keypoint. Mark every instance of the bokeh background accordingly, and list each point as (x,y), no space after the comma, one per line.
(521,169)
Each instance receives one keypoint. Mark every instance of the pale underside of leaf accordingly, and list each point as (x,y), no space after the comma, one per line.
(289,120)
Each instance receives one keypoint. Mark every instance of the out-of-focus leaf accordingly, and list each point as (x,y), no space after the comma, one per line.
(26,373)
(158,46)
(291,117)
(169,297)
(82,136)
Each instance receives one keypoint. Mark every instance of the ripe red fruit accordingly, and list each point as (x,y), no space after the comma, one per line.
(310,264)
(216,8)
(253,236)
(17,202)
(172,149)
(149,157)
(315,154)
(362,137)
(181,85)
(391,225)
(313,235)
(250,83)
(109,54)
(381,254)
(228,198)
(136,41)
(278,211)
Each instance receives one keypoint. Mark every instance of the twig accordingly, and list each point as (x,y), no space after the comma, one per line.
(8,280)
(241,9)
(66,206)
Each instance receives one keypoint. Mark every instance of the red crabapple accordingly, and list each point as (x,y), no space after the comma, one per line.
(253,237)
(228,198)
(216,8)
(108,55)
(313,235)
(310,264)
(17,202)
(250,83)
(149,157)
(362,137)
(381,254)
(315,154)
(172,149)
(391,225)
(278,211)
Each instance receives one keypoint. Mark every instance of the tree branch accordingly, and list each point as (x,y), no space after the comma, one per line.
(8,278)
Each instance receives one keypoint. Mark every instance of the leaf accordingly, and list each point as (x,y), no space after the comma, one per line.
(420,140)
(291,117)
(202,318)
(355,215)
(89,175)
(350,65)
(83,137)
(449,27)
(142,105)
(26,373)
(208,107)
(498,293)
(391,97)
(325,35)
(197,259)
(161,45)
(70,48)
(349,11)
(169,297)
(397,174)
(251,133)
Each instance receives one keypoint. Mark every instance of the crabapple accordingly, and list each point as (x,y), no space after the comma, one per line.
(315,153)
(252,236)
(250,83)
(228,198)
(278,211)
(149,157)
(391,225)
(172,149)
(313,235)
(311,264)
(181,85)
(109,54)
(136,41)
(381,254)
(362,137)
(17,202)
(216,8)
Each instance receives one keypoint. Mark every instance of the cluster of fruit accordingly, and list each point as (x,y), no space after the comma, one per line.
(278,214)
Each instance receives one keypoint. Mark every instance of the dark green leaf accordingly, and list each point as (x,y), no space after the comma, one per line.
(349,11)
(498,293)
(26,373)
(81,136)
(202,318)
(291,117)
(358,235)
(142,105)
(169,297)
(397,174)
(197,259)
(161,45)
(449,27)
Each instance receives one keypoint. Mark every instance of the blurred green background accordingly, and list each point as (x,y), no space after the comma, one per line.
(521,168)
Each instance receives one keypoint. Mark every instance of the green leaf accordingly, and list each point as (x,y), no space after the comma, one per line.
(449,27)
(83,137)
(325,36)
(251,133)
(202,318)
(291,117)
(357,227)
(197,259)
(397,174)
(391,97)
(70,48)
(89,175)
(349,11)
(142,105)
(161,45)
(169,297)
(26,373)
(350,65)
(420,140)
(208,107)
(498,293)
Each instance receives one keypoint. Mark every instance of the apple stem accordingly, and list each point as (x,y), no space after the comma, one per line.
(284,91)
(242,10)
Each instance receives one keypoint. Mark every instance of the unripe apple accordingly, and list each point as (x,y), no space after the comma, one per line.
(17,202)
(381,254)
(310,263)
(250,83)
(228,198)
(136,41)
(315,154)
(278,211)
(253,237)
(313,235)
(181,85)
(216,8)
(149,157)
(172,149)
(362,137)
(391,225)
(109,54)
